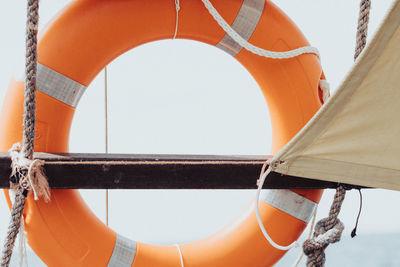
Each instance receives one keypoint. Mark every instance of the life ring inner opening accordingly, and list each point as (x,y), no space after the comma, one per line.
(224,120)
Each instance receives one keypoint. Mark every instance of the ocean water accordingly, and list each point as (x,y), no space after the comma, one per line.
(373,250)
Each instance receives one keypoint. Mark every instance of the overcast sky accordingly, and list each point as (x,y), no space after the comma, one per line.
(170,97)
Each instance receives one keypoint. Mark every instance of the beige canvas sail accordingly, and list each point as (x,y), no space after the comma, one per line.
(355,137)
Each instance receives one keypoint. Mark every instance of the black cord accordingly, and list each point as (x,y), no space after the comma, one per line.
(353,233)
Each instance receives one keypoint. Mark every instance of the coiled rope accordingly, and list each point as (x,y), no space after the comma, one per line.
(26,172)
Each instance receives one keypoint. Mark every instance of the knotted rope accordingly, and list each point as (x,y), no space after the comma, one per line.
(26,173)
(329,230)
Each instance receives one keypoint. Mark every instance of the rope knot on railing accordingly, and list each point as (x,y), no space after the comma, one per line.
(327,231)
(28,174)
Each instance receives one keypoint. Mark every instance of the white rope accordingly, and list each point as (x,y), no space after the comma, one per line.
(180,254)
(260,223)
(252,48)
(309,236)
(177,8)
(324,85)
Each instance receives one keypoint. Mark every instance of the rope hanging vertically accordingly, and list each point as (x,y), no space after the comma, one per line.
(329,230)
(362,27)
(26,172)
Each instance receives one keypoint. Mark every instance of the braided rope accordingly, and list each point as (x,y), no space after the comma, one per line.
(329,230)
(362,28)
(13,228)
(30,77)
(29,129)
(252,48)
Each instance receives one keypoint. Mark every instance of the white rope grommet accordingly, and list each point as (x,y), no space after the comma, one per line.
(260,223)
(177,8)
(180,254)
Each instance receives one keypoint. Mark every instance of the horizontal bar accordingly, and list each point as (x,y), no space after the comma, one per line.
(126,171)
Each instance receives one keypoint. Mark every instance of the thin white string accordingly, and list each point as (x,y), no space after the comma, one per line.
(260,223)
(252,48)
(177,8)
(106,127)
(180,254)
(309,237)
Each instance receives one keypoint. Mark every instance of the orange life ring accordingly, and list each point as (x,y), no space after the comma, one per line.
(76,45)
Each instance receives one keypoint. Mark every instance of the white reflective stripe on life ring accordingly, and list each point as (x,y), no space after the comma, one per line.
(244,24)
(123,253)
(290,203)
(58,86)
